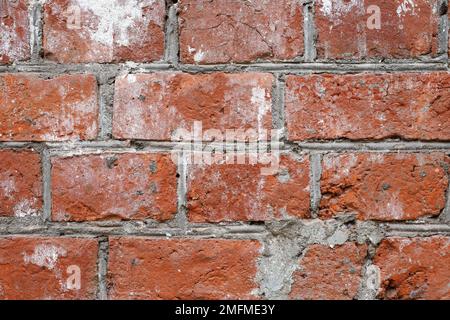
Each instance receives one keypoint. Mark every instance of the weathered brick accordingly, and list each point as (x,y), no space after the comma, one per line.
(384,187)
(448,43)
(36,268)
(182,269)
(408,29)
(326,273)
(20,183)
(153,106)
(14,30)
(58,109)
(411,106)
(415,268)
(108,30)
(237,192)
(239,31)
(114,186)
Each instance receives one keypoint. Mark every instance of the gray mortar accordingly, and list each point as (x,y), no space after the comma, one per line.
(370,281)
(309,31)
(415,229)
(315,175)
(283,242)
(281,68)
(171,54)
(36,24)
(278,92)
(102,268)
(446,213)
(443,26)
(181,216)
(47,185)
(286,243)
(106,97)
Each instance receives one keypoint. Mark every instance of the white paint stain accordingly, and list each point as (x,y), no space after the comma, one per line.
(407,6)
(392,208)
(199,56)
(25,208)
(7,185)
(45,256)
(131,78)
(337,8)
(342,165)
(115,19)
(12,44)
(259,99)
(377,158)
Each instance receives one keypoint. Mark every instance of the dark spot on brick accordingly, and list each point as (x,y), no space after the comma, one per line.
(138,145)
(154,187)
(135,262)
(443,9)
(30,121)
(111,162)
(153,167)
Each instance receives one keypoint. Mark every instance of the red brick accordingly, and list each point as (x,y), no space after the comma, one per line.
(20,183)
(416,268)
(237,192)
(329,273)
(385,187)
(411,106)
(408,29)
(35,268)
(58,109)
(14,28)
(153,106)
(114,187)
(239,31)
(109,31)
(182,269)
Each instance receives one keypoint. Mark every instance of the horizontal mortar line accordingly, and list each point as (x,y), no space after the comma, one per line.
(88,67)
(319,67)
(261,67)
(205,148)
(88,144)
(70,229)
(212,232)
(70,145)
(414,234)
(417,226)
(393,229)
(375,146)
(36,225)
(116,146)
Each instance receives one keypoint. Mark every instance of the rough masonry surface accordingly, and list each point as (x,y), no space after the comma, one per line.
(102,195)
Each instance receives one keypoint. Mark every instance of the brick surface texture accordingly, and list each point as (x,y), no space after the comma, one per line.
(224,150)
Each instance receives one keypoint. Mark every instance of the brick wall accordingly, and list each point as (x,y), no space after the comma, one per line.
(96,202)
